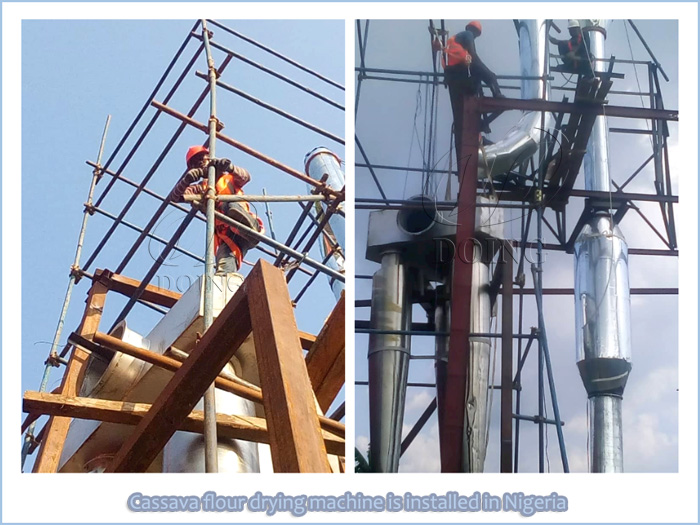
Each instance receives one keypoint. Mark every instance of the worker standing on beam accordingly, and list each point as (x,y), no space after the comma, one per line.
(230,245)
(464,73)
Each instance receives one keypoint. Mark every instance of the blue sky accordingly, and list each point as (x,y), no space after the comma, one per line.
(74,74)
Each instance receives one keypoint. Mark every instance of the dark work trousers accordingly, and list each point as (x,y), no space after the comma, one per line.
(460,83)
(226,261)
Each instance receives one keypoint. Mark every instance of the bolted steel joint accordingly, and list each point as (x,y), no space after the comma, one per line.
(75,272)
(53,360)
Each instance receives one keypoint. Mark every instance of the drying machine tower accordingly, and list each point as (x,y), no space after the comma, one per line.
(453,259)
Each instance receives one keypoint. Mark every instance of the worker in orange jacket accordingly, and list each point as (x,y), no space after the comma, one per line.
(464,73)
(230,244)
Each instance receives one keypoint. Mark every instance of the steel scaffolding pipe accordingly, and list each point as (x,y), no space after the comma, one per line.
(275,109)
(151,123)
(275,74)
(279,55)
(302,258)
(151,96)
(602,305)
(143,183)
(211,456)
(259,198)
(388,357)
(245,149)
(29,436)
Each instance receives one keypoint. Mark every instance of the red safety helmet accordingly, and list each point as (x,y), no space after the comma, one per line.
(476,26)
(193,152)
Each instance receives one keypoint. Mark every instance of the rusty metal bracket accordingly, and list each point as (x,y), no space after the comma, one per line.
(54,360)
(76,273)
(219,124)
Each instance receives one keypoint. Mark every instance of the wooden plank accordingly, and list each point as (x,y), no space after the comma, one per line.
(295,433)
(56,428)
(306,339)
(106,343)
(325,361)
(127,286)
(188,385)
(228,426)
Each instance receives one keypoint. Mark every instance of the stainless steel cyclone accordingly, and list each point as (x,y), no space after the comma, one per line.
(602,304)
(388,356)
(318,163)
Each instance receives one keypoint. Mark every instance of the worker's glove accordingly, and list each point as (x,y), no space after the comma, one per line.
(222,165)
(241,176)
(194,175)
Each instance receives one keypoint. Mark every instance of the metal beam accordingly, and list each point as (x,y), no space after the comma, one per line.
(507,363)
(452,432)
(246,149)
(488,105)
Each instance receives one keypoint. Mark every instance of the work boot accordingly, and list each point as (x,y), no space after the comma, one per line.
(238,213)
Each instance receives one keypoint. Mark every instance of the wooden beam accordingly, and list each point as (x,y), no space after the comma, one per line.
(188,385)
(127,286)
(326,358)
(306,339)
(228,426)
(106,343)
(296,442)
(56,428)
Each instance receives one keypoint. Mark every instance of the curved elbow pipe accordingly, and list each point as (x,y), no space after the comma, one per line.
(523,140)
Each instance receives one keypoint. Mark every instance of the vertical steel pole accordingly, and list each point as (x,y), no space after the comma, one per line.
(210,440)
(507,361)
(268,212)
(96,174)
(452,432)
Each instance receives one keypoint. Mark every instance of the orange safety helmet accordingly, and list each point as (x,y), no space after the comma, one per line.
(194,151)
(476,25)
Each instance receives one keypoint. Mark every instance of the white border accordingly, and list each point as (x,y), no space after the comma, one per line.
(76,498)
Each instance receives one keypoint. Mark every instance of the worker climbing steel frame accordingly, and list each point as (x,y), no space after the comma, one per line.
(535,198)
(325,359)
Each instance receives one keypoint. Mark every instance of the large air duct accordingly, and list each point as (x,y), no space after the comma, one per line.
(602,303)
(523,140)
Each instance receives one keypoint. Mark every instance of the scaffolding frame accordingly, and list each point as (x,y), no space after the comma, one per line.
(320,376)
(535,197)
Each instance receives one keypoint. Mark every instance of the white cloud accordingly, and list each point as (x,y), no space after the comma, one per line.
(423,455)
